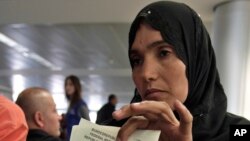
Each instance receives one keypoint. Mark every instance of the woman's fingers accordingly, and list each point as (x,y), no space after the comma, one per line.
(122,113)
(150,109)
(186,118)
(160,109)
(130,126)
(156,115)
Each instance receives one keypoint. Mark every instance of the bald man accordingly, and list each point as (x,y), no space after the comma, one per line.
(40,113)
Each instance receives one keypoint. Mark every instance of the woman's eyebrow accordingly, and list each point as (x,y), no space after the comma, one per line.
(157,43)
(153,44)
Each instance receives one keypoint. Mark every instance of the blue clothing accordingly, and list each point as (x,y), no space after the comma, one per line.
(74,114)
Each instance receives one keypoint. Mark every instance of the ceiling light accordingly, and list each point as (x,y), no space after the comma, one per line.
(25,52)
(6,40)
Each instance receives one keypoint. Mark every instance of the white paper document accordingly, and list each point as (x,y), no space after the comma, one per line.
(88,131)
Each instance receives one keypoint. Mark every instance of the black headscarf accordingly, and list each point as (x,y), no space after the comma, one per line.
(181,27)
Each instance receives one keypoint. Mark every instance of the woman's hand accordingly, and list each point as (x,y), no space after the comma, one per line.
(156,115)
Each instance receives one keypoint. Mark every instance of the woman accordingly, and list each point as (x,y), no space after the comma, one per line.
(174,70)
(77,107)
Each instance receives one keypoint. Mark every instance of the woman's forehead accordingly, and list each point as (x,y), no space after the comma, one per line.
(148,37)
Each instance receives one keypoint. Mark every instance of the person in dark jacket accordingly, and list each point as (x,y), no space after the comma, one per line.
(174,70)
(105,113)
(40,113)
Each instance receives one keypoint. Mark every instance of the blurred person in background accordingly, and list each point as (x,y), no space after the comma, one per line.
(13,124)
(40,113)
(77,106)
(105,112)
(63,125)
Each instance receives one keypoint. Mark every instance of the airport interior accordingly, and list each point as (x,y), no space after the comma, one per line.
(44,41)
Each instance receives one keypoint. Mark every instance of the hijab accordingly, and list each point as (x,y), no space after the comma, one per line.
(181,27)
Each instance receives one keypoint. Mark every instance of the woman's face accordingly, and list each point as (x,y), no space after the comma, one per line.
(69,87)
(157,72)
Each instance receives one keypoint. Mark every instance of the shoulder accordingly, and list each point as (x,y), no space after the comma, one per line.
(12,119)
(82,106)
(79,105)
(9,110)
(104,107)
(235,119)
(82,103)
(39,135)
(108,105)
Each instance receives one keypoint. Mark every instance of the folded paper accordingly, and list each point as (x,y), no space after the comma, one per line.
(88,131)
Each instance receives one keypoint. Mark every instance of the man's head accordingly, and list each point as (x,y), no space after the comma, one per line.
(112,99)
(40,110)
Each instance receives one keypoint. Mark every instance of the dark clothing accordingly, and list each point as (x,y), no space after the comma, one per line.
(74,114)
(182,28)
(105,113)
(40,135)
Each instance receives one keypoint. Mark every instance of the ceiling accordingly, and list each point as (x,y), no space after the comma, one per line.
(48,40)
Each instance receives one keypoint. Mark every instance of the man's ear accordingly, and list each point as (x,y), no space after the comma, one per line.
(39,119)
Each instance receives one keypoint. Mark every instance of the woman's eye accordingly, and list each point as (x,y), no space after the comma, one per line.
(135,62)
(164,53)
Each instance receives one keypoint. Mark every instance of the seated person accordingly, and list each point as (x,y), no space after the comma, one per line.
(41,115)
(13,125)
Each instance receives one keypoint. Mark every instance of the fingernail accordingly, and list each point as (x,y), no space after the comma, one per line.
(135,104)
(117,112)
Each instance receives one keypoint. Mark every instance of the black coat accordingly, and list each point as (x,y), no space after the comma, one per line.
(40,135)
(105,113)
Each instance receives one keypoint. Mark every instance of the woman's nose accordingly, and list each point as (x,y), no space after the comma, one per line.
(149,70)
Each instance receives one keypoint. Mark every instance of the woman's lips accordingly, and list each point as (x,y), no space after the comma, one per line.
(153,94)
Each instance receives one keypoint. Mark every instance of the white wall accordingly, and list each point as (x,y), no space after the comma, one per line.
(231,42)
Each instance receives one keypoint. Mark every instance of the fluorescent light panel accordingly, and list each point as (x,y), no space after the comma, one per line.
(25,52)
